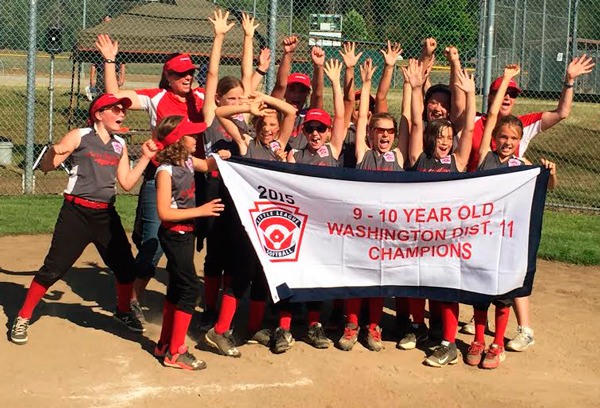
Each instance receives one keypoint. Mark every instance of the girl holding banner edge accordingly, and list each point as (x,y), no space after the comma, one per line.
(507,133)
(431,151)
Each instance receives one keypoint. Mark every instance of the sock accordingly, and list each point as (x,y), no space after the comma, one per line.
(211,291)
(124,292)
(314,316)
(285,320)
(402,306)
(35,293)
(257,312)
(181,323)
(502,314)
(352,310)
(228,308)
(480,318)
(450,320)
(167,323)
(417,310)
(375,311)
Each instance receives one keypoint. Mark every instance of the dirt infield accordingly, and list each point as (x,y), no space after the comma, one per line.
(78,356)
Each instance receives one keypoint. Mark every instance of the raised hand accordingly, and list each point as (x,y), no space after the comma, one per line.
(451,54)
(414,72)
(107,47)
(511,70)
(248,24)
(149,149)
(264,59)
(290,44)
(212,208)
(579,66)
(429,46)
(333,70)
(219,21)
(367,70)
(465,81)
(349,54)
(318,56)
(390,55)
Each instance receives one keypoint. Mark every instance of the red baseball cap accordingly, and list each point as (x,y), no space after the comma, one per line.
(318,115)
(298,78)
(106,100)
(185,127)
(181,63)
(512,84)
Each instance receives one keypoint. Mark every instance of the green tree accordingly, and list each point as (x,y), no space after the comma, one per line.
(354,26)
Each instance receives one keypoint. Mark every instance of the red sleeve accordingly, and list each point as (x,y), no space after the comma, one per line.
(149,92)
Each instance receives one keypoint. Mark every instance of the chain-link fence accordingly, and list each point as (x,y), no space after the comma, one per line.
(541,35)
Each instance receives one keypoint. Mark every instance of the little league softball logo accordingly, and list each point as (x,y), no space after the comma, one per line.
(279,228)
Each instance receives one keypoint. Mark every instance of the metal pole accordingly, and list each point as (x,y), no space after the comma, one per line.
(489,46)
(83,27)
(254,8)
(514,36)
(523,36)
(574,50)
(30,123)
(270,83)
(542,57)
(291,16)
(51,101)
(480,44)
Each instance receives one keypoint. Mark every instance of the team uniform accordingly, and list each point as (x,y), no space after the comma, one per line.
(374,160)
(88,215)
(158,103)
(532,125)
(297,140)
(322,157)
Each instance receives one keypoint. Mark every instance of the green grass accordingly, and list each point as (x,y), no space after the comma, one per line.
(29,215)
(566,237)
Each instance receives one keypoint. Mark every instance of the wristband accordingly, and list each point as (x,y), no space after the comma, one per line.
(568,85)
(260,71)
(109,61)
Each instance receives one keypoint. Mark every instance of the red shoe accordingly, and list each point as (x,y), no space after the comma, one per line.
(494,356)
(476,350)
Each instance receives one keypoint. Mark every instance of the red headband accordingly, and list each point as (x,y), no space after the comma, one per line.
(186,127)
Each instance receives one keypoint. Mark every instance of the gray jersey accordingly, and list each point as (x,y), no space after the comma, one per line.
(322,157)
(432,165)
(183,186)
(492,161)
(259,151)
(374,160)
(216,138)
(94,171)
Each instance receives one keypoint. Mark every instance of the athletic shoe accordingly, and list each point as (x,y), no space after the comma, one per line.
(183,359)
(262,337)
(468,328)
(443,355)
(349,338)
(436,330)
(136,308)
(281,341)
(476,350)
(160,350)
(415,336)
(223,342)
(315,336)
(130,320)
(209,319)
(494,356)
(374,342)
(18,333)
(522,340)
(403,325)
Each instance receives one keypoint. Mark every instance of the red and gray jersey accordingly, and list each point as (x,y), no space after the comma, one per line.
(160,103)
(322,157)
(259,151)
(532,125)
(374,160)
(216,138)
(183,187)
(94,171)
(297,139)
(432,165)
(492,161)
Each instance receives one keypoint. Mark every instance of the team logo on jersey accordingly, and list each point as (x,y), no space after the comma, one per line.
(275,145)
(323,152)
(514,162)
(446,160)
(389,157)
(117,147)
(279,228)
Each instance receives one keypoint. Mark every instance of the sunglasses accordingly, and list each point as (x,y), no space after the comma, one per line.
(512,93)
(381,131)
(184,74)
(115,109)
(319,127)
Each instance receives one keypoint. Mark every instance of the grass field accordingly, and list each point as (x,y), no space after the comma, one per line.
(566,237)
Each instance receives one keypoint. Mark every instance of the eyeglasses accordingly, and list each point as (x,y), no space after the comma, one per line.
(115,109)
(319,127)
(512,93)
(381,131)
(184,74)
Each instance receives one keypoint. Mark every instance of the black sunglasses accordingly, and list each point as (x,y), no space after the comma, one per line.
(319,127)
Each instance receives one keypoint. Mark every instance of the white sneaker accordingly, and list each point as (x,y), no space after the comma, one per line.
(522,340)
(469,328)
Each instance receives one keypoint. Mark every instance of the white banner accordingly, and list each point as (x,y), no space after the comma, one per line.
(470,234)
